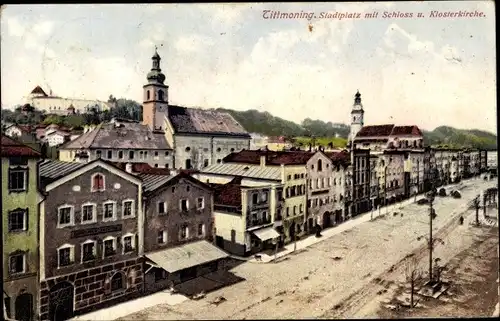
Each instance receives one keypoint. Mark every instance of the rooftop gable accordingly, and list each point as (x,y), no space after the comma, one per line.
(13,148)
(375,131)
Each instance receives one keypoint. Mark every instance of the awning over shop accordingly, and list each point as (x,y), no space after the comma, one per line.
(186,256)
(266,233)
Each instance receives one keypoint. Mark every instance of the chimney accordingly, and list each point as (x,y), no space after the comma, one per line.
(262,160)
(128,168)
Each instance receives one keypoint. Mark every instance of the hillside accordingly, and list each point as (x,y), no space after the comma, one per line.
(254,121)
(324,132)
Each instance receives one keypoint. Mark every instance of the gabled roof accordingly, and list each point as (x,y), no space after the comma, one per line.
(272,157)
(201,121)
(228,194)
(51,171)
(38,90)
(153,183)
(13,148)
(339,158)
(412,130)
(125,136)
(375,130)
(143,168)
(243,170)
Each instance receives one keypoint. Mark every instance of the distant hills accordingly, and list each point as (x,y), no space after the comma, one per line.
(264,123)
(254,121)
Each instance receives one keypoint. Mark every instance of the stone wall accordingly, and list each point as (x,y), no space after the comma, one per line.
(91,289)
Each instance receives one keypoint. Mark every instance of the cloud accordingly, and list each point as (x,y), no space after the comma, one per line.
(193,43)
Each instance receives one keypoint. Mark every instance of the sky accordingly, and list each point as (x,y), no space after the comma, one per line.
(424,71)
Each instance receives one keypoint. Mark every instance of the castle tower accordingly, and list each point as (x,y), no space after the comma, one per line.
(357,116)
(155,100)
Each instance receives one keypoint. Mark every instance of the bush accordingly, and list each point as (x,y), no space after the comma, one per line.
(442,192)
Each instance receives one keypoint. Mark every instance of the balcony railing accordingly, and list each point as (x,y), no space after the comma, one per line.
(257,222)
(227,209)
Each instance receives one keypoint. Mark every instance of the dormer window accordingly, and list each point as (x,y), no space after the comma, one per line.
(97,182)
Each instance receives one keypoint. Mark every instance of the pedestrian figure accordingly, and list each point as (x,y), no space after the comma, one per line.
(461,220)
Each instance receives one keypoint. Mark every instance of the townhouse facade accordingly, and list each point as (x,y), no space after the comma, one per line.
(91,237)
(248,219)
(20,198)
(178,220)
(361,201)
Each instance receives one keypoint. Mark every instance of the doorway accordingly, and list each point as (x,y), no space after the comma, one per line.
(326,220)
(24,307)
(61,299)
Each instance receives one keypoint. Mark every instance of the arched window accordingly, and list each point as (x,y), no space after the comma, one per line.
(320,165)
(160,95)
(117,282)
(97,182)
(148,95)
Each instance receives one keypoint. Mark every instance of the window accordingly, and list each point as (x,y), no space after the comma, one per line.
(109,210)
(88,251)
(200,203)
(218,150)
(205,163)
(120,154)
(109,245)
(232,150)
(148,95)
(65,255)
(188,188)
(173,189)
(184,205)
(201,229)
(188,163)
(110,154)
(88,214)
(162,237)
(162,207)
(188,149)
(160,95)
(18,180)
(287,211)
(66,216)
(295,210)
(98,153)
(184,232)
(320,165)
(128,208)
(131,154)
(97,182)
(17,263)
(156,154)
(117,282)
(166,154)
(289,177)
(263,197)
(301,208)
(128,244)
(219,161)
(255,198)
(18,220)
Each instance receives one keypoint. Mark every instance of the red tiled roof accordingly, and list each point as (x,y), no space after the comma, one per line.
(406,130)
(228,194)
(38,90)
(143,168)
(12,148)
(342,157)
(375,130)
(272,157)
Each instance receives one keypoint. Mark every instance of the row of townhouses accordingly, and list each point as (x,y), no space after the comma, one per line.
(79,236)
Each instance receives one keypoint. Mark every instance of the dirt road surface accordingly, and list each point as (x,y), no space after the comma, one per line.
(341,276)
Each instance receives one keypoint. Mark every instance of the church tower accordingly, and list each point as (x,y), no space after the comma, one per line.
(155,100)
(357,116)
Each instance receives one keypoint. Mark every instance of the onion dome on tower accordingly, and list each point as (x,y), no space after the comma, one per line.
(155,76)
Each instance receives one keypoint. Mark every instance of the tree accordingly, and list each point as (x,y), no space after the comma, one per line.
(53,119)
(413,274)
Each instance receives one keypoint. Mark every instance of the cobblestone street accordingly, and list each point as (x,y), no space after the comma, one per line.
(322,280)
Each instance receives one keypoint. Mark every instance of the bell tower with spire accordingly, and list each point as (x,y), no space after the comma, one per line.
(155,99)
(357,116)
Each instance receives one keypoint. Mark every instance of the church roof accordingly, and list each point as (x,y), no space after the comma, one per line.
(38,90)
(125,136)
(388,130)
(201,121)
(272,157)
